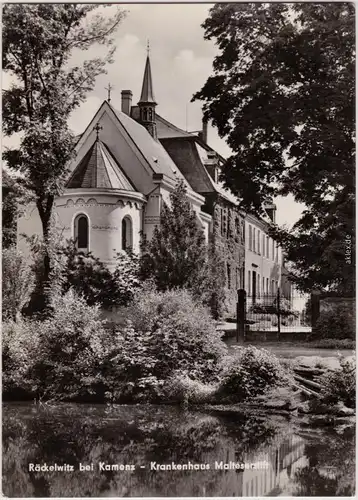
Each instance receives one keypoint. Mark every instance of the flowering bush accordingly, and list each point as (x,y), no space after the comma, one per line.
(250,373)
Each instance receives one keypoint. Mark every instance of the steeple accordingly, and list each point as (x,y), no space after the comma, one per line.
(147,100)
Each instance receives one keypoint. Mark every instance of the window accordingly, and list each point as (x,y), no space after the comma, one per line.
(263,245)
(263,285)
(223,222)
(254,240)
(273,250)
(258,241)
(250,238)
(81,232)
(268,247)
(249,281)
(126,233)
(267,286)
(228,267)
(258,285)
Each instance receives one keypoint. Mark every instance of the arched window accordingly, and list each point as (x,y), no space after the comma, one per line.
(127,242)
(150,114)
(81,232)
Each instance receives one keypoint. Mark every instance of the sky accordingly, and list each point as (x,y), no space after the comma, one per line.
(181,62)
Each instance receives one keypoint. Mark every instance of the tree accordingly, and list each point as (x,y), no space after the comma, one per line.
(38,42)
(177,252)
(282,95)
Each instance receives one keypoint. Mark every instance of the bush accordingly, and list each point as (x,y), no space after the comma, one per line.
(182,389)
(168,332)
(89,277)
(250,374)
(18,282)
(340,385)
(71,344)
(20,344)
(337,324)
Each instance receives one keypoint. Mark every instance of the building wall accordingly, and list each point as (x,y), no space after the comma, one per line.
(228,236)
(262,259)
(105,213)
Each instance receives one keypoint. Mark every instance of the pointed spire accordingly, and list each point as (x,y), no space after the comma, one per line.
(147,94)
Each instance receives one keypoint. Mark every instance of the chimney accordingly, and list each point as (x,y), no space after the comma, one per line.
(204,134)
(126,101)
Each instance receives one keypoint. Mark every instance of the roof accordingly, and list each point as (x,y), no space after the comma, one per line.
(147,94)
(167,130)
(152,150)
(99,169)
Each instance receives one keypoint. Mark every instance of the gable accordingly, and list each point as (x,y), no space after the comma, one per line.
(132,147)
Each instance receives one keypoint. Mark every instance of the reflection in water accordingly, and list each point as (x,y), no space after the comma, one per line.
(299,461)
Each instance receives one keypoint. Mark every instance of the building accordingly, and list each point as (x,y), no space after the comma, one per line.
(263,257)
(126,164)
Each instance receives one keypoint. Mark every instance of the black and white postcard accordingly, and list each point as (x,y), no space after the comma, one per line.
(178,250)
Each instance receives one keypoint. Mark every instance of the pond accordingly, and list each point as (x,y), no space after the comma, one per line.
(70,450)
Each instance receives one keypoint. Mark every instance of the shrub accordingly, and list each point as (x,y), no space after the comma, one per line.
(250,374)
(20,344)
(168,332)
(18,282)
(71,349)
(340,384)
(337,323)
(180,388)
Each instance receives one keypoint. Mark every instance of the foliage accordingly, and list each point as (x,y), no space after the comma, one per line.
(18,282)
(250,374)
(168,331)
(71,348)
(336,324)
(20,342)
(340,385)
(89,277)
(177,251)
(126,275)
(282,94)
(38,43)
(177,255)
(183,389)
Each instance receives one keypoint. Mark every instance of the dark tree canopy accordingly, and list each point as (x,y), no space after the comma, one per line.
(282,94)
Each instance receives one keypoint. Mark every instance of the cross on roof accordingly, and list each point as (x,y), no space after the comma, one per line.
(97,128)
(109,88)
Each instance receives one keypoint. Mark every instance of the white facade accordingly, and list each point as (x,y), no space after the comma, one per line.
(111,218)
(262,259)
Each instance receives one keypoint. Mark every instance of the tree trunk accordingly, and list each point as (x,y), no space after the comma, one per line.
(39,303)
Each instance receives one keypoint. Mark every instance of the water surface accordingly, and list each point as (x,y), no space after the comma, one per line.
(292,457)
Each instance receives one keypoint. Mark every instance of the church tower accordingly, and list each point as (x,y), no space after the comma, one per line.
(147,102)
